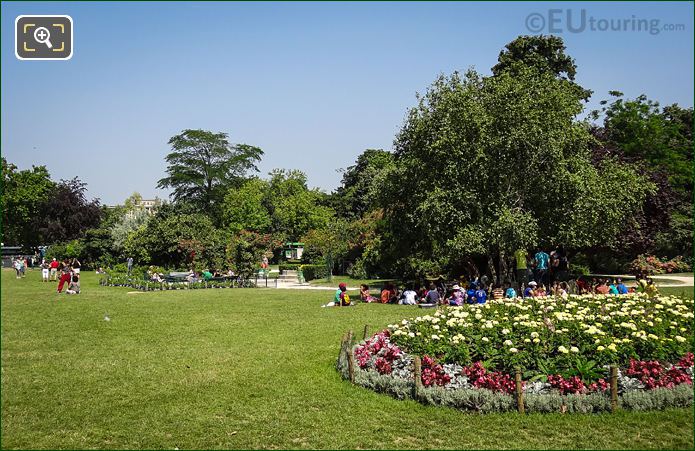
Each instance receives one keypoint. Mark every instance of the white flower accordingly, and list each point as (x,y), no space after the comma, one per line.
(527,340)
(435,327)
(513,350)
(534,334)
(574,349)
(435,337)
(485,339)
(680,339)
(505,331)
(411,334)
(563,350)
(600,348)
(508,342)
(536,340)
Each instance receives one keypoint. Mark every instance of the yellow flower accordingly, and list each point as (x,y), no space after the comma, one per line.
(574,349)
(600,348)
(612,347)
(563,350)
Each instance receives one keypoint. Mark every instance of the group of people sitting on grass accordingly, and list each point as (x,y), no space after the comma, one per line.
(478,291)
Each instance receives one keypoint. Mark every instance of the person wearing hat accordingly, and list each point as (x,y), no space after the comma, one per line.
(456,298)
(528,292)
(341,297)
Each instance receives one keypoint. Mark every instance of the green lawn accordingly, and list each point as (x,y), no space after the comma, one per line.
(241,368)
(352,283)
(677,291)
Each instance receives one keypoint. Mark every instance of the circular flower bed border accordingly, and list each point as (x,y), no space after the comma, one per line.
(387,369)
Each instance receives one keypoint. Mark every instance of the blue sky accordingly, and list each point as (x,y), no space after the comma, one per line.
(312,84)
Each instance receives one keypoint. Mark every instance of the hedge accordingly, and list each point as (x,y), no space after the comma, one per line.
(289,267)
(312,272)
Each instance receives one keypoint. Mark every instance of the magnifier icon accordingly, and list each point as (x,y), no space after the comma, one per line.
(42,36)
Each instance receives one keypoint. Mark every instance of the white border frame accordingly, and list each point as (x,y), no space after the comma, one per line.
(72,37)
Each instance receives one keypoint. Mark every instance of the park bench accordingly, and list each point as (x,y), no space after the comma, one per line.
(176,277)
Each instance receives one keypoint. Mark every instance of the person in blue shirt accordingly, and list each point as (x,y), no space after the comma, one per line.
(612,288)
(542,260)
(528,292)
(622,289)
(470,293)
(509,292)
(481,294)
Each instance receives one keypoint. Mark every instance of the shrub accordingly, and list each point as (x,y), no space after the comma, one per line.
(289,267)
(650,264)
(312,272)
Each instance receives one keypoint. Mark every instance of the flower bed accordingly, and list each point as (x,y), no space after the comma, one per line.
(146,285)
(563,349)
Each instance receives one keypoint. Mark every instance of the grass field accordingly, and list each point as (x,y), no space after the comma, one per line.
(241,368)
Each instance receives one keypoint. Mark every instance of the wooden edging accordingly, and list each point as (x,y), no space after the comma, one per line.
(519,391)
(614,388)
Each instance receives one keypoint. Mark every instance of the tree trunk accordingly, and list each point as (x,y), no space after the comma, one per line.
(491,267)
(504,269)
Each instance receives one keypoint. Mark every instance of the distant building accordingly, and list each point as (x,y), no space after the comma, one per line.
(148,205)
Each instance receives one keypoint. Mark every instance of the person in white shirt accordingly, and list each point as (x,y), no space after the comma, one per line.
(409,297)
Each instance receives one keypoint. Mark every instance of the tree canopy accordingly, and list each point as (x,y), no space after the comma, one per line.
(203,165)
(484,165)
(24,194)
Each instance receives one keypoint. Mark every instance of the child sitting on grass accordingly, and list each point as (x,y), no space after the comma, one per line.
(74,287)
(341,297)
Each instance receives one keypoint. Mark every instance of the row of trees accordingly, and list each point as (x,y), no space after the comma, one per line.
(483,165)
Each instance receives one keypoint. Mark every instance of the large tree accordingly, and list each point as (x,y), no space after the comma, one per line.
(203,165)
(24,193)
(545,54)
(245,207)
(660,142)
(484,165)
(67,213)
(294,208)
(356,193)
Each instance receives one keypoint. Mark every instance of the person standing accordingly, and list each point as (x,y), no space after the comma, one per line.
(521,267)
(66,275)
(44,271)
(130,265)
(54,269)
(76,265)
(17,267)
(542,260)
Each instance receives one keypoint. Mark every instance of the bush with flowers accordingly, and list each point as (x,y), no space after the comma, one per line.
(562,346)
(650,264)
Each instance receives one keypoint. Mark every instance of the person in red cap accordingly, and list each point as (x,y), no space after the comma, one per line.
(341,296)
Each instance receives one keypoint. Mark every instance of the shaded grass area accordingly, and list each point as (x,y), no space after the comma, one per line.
(239,368)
